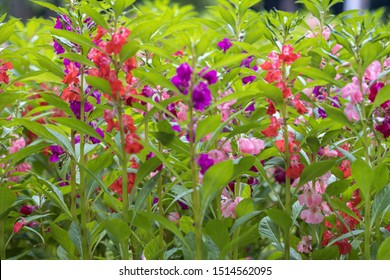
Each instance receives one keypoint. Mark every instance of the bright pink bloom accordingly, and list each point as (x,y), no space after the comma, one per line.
(16,145)
(373,70)
(328,152)
(251,146)
(312,215)
(217,156)
(288,55)
(174,217)
(351,112)
(352,90)
(228,206)
(182,114)
(305,245)
(322,183)
(309,197)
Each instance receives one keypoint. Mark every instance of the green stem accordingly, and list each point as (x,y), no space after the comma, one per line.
(125,193)
(288,187)
(367,229)
(160,194)
(196,190)
(237,190)
(73,185)
(2,241)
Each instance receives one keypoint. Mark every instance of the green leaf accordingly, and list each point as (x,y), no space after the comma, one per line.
(78,58)
(244,207)
(7,99)
(243,220)
(328,253)
(382,96)
(118,229)
(7,198)
(79,126)
(121,5)
(384,250)
(280,218)
(73,37)
(99,83)
(155,79)
(49,65)
(57,102)
(316,74)
(74,234)
(62,238)
(339,205)
(381,203)
(242,165)
(227,16)
(129,50)
(337,187)
(231,60)
(381,175)
(171,140)
(218,232)
(31,149)
(146,168)
(268,229)
(363,175)
(270,91)
(95,16)
(207,126)
(50,6)
(215,178)
(315,170)
(6,30)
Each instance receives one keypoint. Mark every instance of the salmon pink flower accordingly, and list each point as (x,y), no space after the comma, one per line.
(251,146)
(305,245)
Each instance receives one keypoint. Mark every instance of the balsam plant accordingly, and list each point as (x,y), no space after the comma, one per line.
(148,131)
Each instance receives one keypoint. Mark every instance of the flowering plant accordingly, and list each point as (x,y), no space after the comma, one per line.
(146,131)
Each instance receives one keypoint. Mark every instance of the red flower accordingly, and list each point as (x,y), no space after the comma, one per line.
(271,108)
(128,123)
(326,237)
(3,71)
(345,167)
(117,185)
(109,117)
(71,77)
(295,172)
(388,227)
(71,93)
(19,225)
(272,129)
(132,146)
(118,40)
(344,246)
(100,33)
(287,55)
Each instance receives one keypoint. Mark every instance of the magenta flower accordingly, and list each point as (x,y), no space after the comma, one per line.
(373,70)
(225,44)
(183,78)
(205,162)
(27,209)
(384,128)
(210,76)
(75,106)
(57,151)
(58,47)
(374,89)
(201,97)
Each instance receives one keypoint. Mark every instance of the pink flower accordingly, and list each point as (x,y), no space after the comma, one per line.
(352,90)
(217,156)
(16,145)
(182,114)
(373,70)
(351,112)
(309,197)
(251,146)
(225,145)
(312,215)
(322,183)
(174,217)
(228,206)
(387,62)
(328,152)
(305,245)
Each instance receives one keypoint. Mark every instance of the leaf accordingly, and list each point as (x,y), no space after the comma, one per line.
(381,174)
(207,126)
(382,96)
(129,50)
(315,170)
(280,218)
(269,230)
(244,207)
(33,148)
(243,220)
(337,187)
(362,173)
(50,66)
(231,60)
(99,83)
(146,168)
(215,178)
(118,229)
(381,203)
(62,238)
(316,74)
(242,165)
(339,205)
(328,253)
(74,234)
(49,6)
(121,5)
(57,102)
(218,232)
(75,57)
(95,16)
(155,79)
(75,38)
(270,91)
(78,126)
(346,235)
(170,140)
(7,198)
(384,250)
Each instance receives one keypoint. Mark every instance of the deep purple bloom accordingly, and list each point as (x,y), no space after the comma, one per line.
(250,108)
(147,91)
(75,106)
(280,175)
(183,78)
(384,128)
(205,162)
(58,24)
(322,114)
(201,96)
(95,140)
(335,102)
(247,63)
(176,127)
(96,94)
(225,44)
(183,205)
(27,209)
(57,151)
(210,76)
(374,89)
(248,79)
(58,48)
(182,85)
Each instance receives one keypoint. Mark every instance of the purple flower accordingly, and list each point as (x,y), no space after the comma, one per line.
(96,94)
(210,76)
(322,114)
(98,130)
(248,79)
(247,62)
(335,102)
(183,78)
(225,44)
(58,24)
(147,91)
(183,205)
(201,96)
(280,175)
(57,151)
(384,128)
(250,108)
(204,162)
(58,48)
(176,127)
(75,106)
(27,209)
(374,91)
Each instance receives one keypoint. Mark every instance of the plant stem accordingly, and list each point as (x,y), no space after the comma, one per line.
(160,193)
(196,190)
(288,187)
(237,233)
(84,207)
(367,229)
(73,185)
(2,241)
(125,193)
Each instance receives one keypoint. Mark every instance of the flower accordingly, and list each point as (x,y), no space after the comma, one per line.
(312,215)
(351,112)
(305,245)
(210,76)
(225,44)
(118,40)
(205,162)
(251,146)
(4,67)
(19,225)
(27,209)
(201,96)
(75,106)
(183,78)
(287,55)
(132,146)
(228,205)
(296,167)
(384,128)
(374,89)
(57,151)
(272,129)
(373,70)
(309,197)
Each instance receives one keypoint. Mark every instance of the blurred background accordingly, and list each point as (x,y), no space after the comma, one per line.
(24,9)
